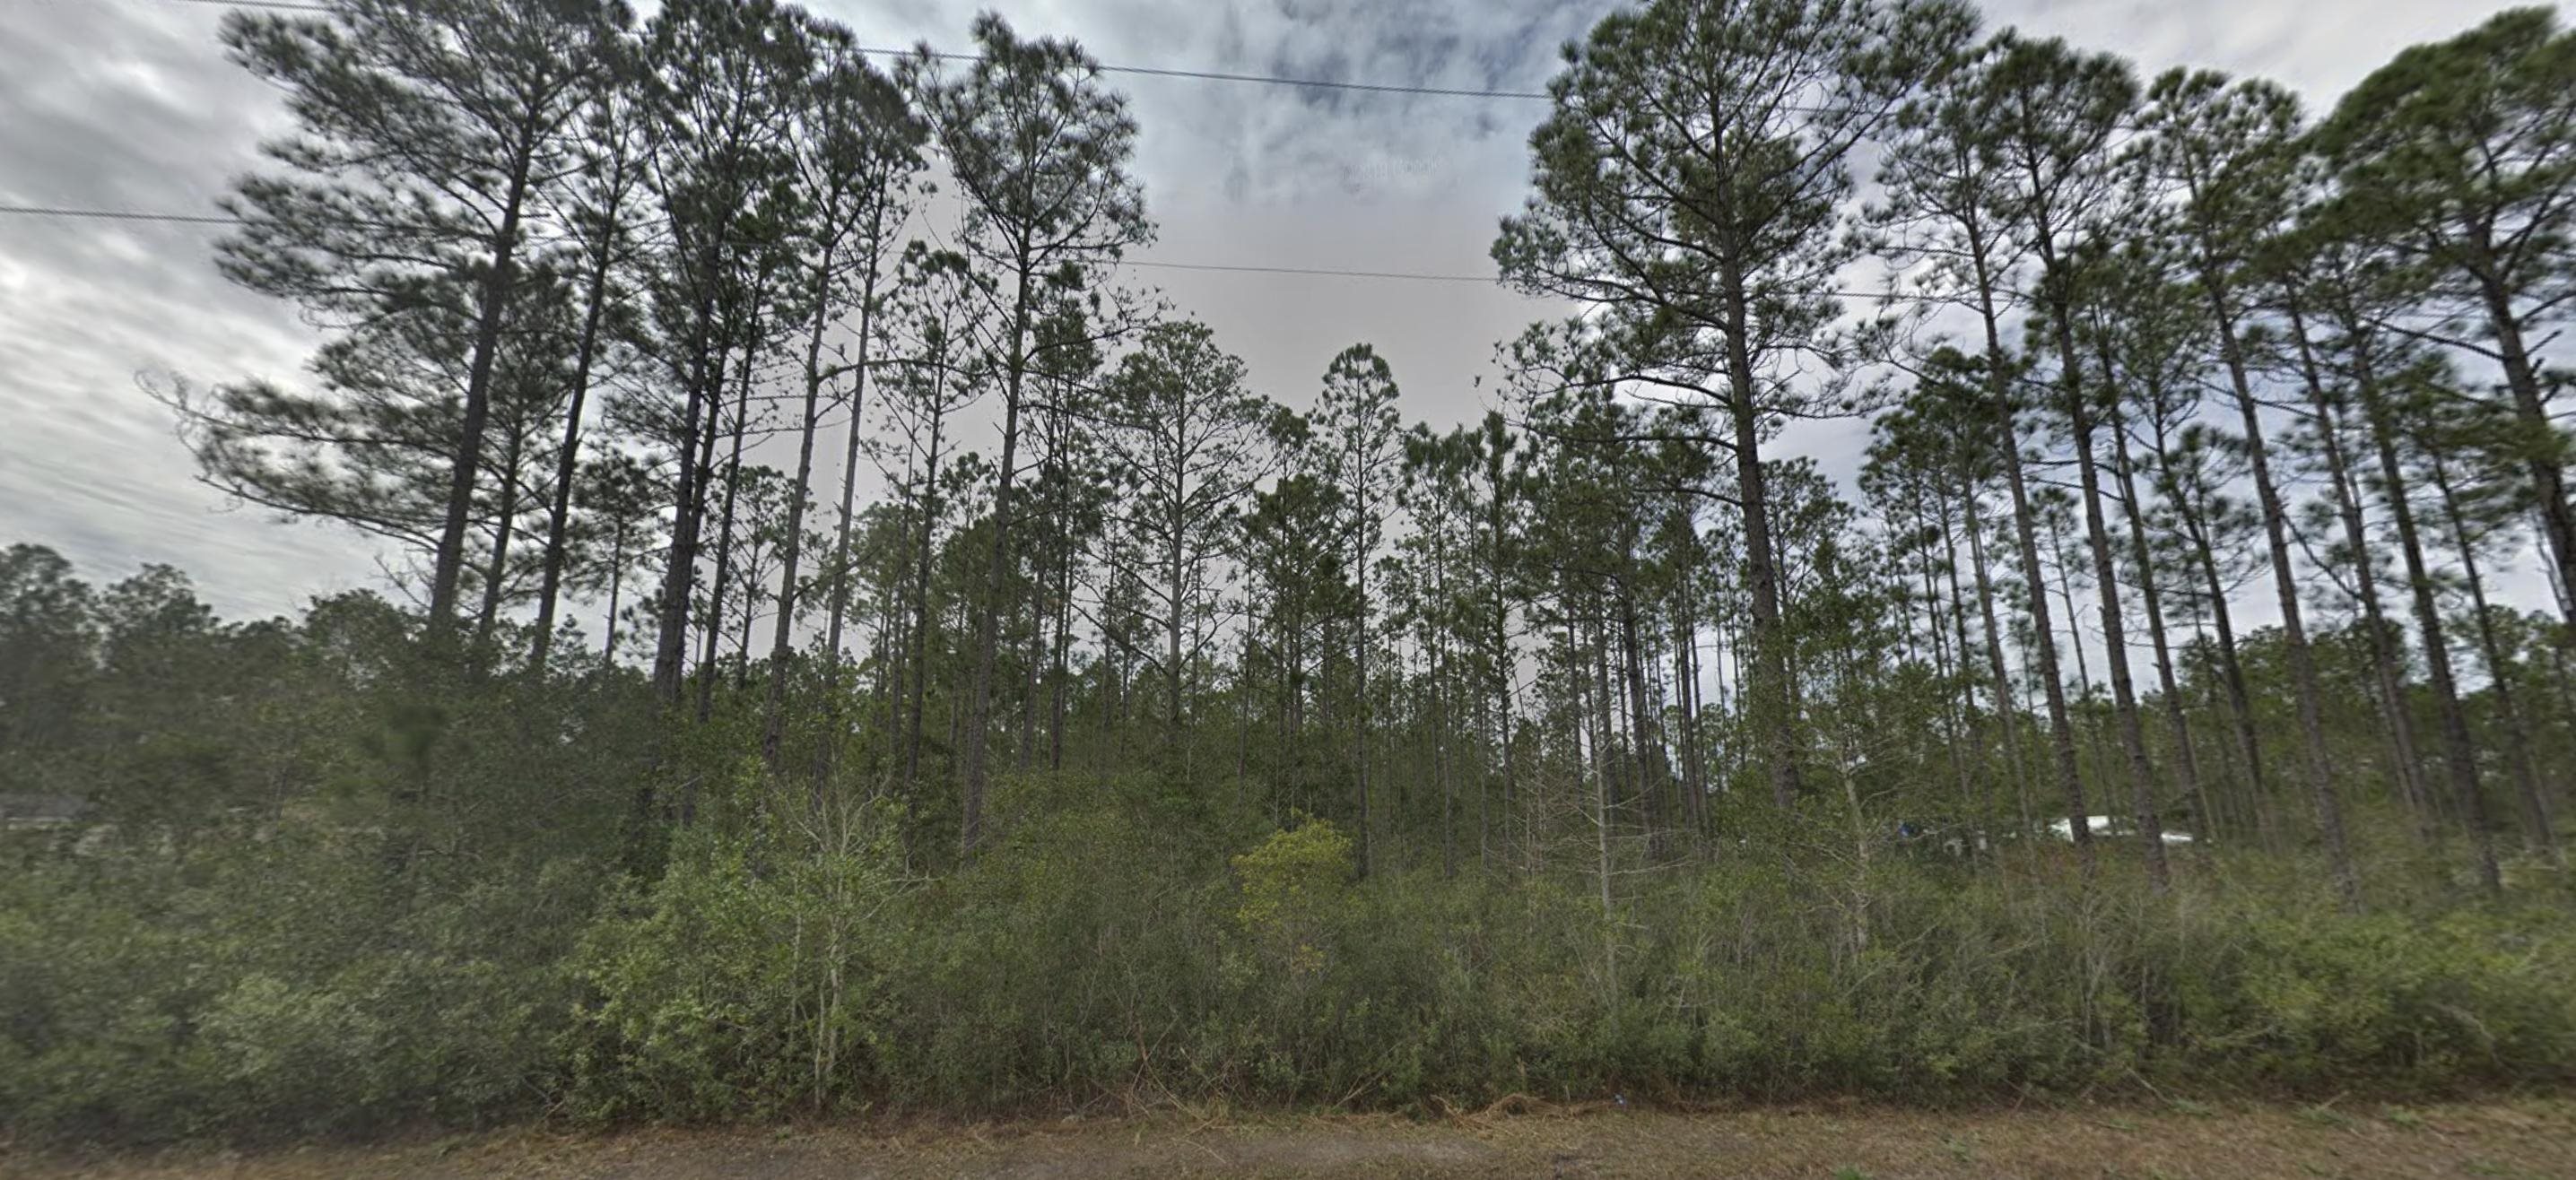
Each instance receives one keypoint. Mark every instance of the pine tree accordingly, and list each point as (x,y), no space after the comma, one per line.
(720,100)
(1188,442)
(858,149)
(1039,153)
(2228,153)
(1691,180)
(427,131)
(1358,447)
(2459,157)
(598,207)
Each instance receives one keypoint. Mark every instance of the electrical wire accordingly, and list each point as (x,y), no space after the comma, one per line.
(1258,79)
(1145,71)
(1225,268)
(218,219)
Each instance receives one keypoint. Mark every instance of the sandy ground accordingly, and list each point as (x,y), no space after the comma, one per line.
(2515,1138)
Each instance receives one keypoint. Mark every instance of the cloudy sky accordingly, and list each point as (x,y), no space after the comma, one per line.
(130,105)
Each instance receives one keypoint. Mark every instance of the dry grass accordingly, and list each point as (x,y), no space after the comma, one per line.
(1518,1137)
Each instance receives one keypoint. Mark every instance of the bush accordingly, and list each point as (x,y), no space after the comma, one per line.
(1293,887)
(748,978)
(1094,952)
(1073,958)
(270,984)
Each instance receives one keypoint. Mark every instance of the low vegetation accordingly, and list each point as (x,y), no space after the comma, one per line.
(1114,733)
(442,922)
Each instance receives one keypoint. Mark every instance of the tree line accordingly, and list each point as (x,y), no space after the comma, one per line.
(847,651)
(2142,361)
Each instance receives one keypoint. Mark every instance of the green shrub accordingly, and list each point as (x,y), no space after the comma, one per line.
(272,984)
(1095,951)
(748,978)
(1293,885)
(1074,957)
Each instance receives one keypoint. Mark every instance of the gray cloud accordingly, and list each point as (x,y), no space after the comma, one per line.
(131,106)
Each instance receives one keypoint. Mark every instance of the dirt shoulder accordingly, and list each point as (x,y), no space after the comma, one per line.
(2520,1138)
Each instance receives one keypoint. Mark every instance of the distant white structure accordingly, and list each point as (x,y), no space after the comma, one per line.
(2107,825)
(41,811)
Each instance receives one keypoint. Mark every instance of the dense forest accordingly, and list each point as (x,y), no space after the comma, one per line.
(845,646)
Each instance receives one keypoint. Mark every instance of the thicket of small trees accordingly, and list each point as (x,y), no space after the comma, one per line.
(2204,439)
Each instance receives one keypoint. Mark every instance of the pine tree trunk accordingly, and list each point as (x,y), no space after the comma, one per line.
(2064,563)
(1059,686)
(2458,756)
(988,613)
(2386,660)
(1440,768)
(773,726)
(1360,713)
(2115,647)
(1642,730)
(1033,658)
(616,583)
(2294,634)
(670,645)
(750,613)
(707,665)
(2548,474)
(1774,699)
(1599,761)
(2535,809)
(1606,709)
(2008,714)
(1972,797)
(920,658)
(568,458)
(1956,720)
(1174,589)
(1440,752)
(496,571)
(826,750)
(2066,569)
(1505,658)
(1686,685)
(2196,521)
(447,567)
(2043,646)
(2142,554)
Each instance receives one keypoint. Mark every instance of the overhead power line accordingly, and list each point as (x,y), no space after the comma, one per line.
(118,215)
(1147,71)
(1143,71)
(220,219)
(1376,88)
(1302,270)
(1226,268)
(1214,76)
